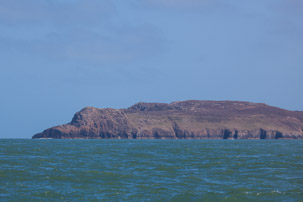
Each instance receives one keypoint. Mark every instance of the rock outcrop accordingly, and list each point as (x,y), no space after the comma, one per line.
(182,120)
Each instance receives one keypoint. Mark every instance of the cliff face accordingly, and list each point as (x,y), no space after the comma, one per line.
(183,120)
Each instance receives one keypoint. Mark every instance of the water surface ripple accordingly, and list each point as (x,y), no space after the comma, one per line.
(151,170)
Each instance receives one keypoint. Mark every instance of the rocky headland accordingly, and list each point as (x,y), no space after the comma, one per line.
(182,120)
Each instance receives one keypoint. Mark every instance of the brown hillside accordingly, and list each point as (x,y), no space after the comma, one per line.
(183,120)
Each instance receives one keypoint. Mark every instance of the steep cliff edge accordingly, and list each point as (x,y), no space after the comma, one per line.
(183,120)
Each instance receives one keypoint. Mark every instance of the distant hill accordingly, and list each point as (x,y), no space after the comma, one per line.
(191,119)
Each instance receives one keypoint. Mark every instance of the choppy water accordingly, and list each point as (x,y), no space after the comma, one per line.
(151,170)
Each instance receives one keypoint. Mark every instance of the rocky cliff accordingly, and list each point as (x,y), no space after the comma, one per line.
(183,120)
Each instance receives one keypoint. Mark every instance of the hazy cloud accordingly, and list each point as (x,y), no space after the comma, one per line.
(59,12)
(90,48)
(189,6)
(78,31)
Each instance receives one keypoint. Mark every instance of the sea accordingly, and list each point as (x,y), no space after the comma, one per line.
(151,170)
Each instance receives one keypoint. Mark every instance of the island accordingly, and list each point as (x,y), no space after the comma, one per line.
(192,119)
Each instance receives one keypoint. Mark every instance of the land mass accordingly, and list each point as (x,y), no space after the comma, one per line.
(191,119)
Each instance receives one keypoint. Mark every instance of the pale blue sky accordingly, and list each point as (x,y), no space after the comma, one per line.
(58,56)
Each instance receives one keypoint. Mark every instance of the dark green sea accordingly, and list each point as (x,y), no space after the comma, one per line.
(151,170)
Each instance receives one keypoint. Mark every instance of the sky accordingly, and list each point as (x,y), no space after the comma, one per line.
(58,56)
